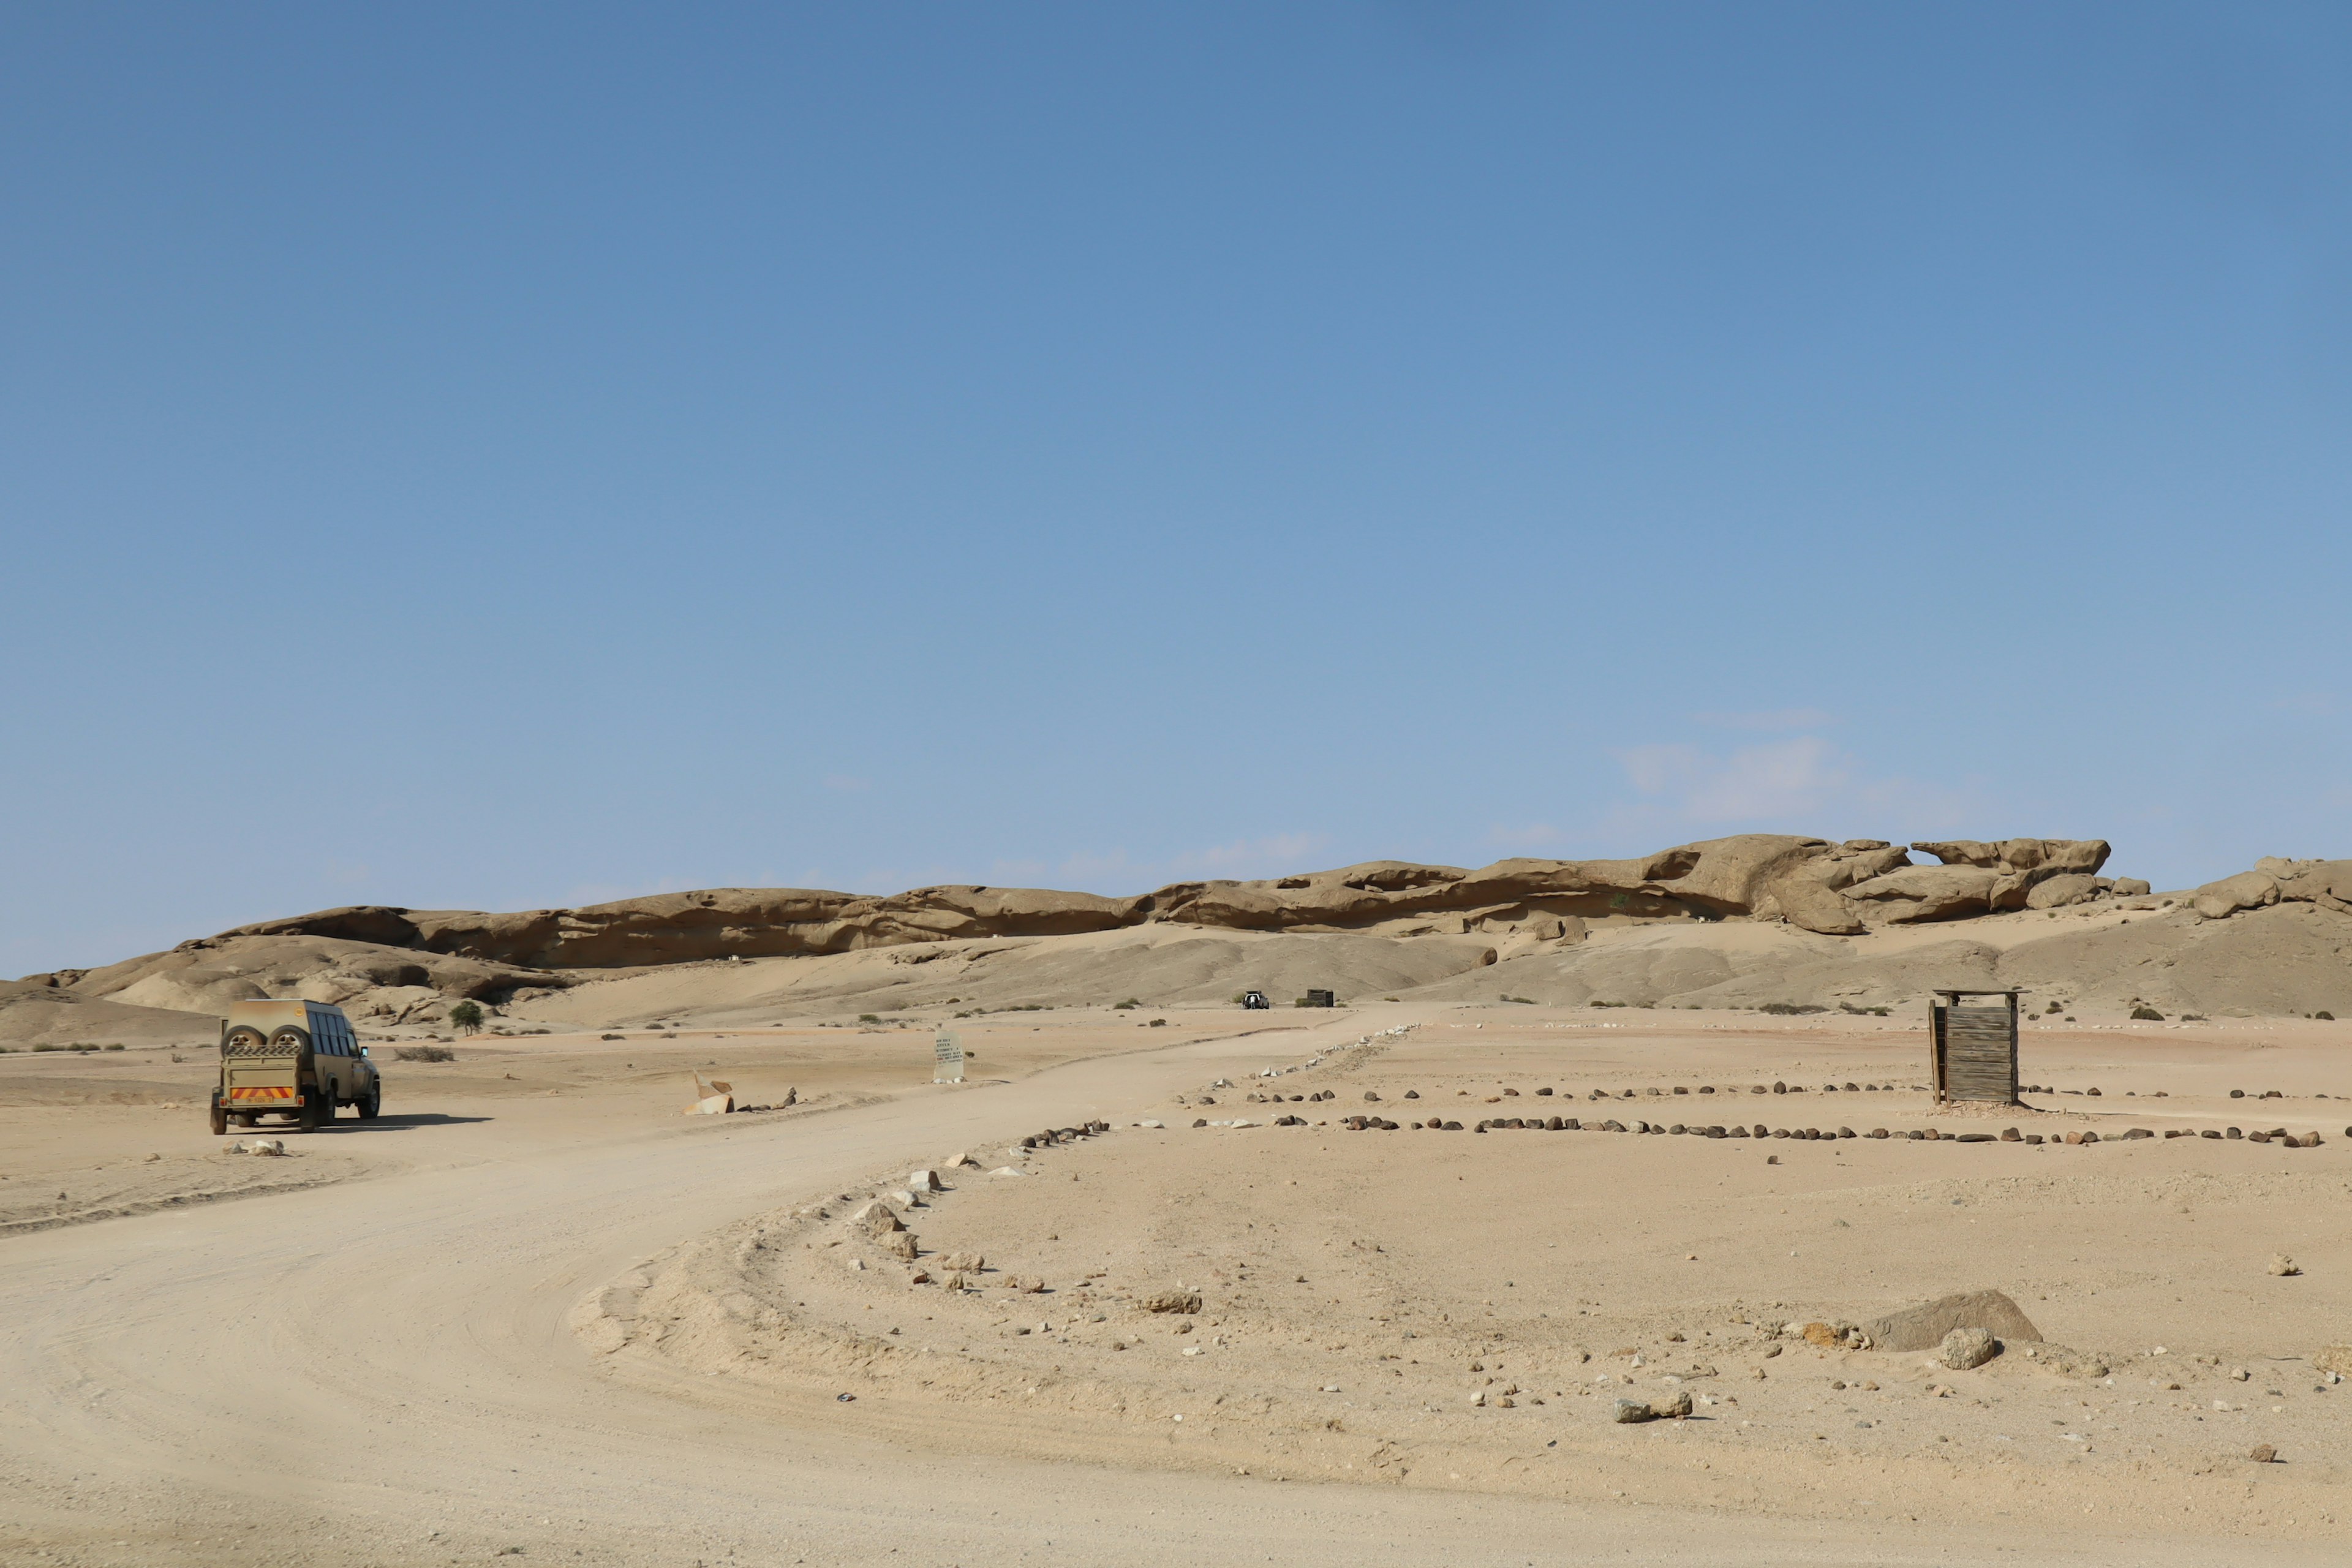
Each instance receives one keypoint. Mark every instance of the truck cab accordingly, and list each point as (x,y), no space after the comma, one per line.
(292,1058)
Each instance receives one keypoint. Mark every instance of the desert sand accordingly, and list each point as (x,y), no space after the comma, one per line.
(1172,1291)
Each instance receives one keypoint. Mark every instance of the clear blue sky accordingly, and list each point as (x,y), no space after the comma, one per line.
(503,455)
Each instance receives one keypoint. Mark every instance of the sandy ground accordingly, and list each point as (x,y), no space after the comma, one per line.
(544,1310)
(102,1135)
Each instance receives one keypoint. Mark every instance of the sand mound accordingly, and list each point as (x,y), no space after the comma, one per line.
(34,1011)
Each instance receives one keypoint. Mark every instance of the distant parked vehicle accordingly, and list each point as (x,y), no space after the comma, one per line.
(291,1058)
(1255,1000)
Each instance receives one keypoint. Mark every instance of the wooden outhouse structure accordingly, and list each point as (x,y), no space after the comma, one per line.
(1972,1047)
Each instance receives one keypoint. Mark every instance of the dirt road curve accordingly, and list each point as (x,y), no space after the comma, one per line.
(378,1374)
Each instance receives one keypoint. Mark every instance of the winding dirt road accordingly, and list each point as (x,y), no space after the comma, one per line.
(378,1373)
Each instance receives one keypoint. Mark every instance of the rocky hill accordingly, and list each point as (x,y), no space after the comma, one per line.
(1727,921)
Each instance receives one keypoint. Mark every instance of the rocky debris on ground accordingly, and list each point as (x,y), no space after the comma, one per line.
(2284,1266)
(1925,1326)
(1672,1408)
(1831,1336)
(1179,1301)
(2068,1361)
(876,1219)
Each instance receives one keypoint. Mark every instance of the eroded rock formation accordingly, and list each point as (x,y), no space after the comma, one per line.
(2328,883)
(1810,882)
(406,967)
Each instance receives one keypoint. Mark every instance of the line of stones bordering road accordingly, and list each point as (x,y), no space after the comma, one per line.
(1370,1122)
(1375,1123)
(1655,1092)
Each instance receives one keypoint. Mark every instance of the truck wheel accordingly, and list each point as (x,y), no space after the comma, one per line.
(374,1104)
(306,1119)
(219,1116)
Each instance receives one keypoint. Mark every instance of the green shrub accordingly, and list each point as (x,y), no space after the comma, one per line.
(869,1017)
(466,1016)
(114,1047)
(424,1054)
(1790,1009)
(2145,1014)
(1130,1002)
(2325,1014)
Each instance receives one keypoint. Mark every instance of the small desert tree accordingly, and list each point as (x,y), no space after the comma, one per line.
(466,1016)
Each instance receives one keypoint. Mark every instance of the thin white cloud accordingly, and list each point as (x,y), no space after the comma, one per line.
(1089,868)
(1782,778)
(1250,858)
(1800,785)
(1243,860)
(2313,704)
(1774,719)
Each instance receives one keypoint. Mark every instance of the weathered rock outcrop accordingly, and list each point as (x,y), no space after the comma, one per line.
(2328,883)
(1811,883)
(408,965)
(1525,928)
(1978,878)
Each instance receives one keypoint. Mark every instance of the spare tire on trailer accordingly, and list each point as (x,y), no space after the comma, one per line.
(292,1035)
(245,1037)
